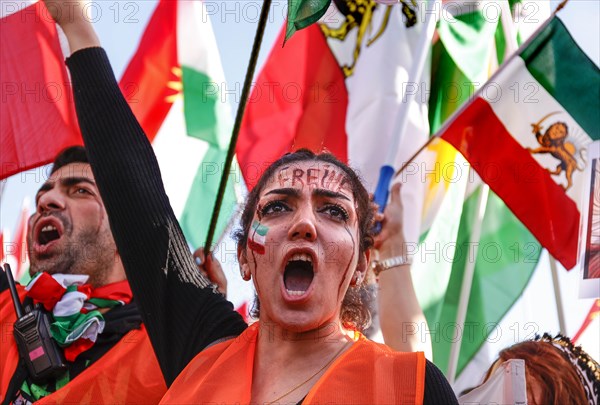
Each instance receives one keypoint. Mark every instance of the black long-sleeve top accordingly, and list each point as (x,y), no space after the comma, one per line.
(181,310)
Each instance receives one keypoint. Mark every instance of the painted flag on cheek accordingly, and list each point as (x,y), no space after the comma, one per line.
(258,234)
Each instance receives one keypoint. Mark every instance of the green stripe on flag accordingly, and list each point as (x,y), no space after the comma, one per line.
(200,203)
(205,115)
(460,63)
(469,36)
(565,71)
(67,329)
(259,228)
(502,272)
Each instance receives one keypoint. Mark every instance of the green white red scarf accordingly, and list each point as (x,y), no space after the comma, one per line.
(74,306)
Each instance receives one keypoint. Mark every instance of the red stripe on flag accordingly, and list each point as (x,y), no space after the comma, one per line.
(299,101)
(146,81)
(526,187)
(593,313)
(257,247)
(38,118)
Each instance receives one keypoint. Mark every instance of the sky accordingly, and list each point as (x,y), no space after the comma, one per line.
(120,24)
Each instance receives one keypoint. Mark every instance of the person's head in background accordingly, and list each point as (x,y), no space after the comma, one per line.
(69,231)
(556,371)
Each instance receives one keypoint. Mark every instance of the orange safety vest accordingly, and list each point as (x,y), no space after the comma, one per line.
(367,373)
(127,374)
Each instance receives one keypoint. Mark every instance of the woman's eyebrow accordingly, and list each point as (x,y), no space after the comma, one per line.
(321,192)
(292,192)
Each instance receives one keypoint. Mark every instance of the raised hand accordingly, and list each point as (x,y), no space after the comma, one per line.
(73,17)
(390,242)
(212,269)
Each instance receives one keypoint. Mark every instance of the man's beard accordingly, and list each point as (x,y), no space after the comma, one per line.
(92,254)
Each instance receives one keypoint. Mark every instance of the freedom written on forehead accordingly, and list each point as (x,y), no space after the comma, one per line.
(324,176)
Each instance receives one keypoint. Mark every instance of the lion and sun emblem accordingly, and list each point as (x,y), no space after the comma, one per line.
(555,140)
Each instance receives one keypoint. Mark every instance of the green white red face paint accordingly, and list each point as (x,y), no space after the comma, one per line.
(257,240)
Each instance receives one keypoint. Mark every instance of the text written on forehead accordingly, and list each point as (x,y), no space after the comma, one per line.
(325,177)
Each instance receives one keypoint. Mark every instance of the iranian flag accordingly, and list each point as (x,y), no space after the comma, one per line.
(38,118)
(468,50)
(338,86)
(526,134)
(173,85)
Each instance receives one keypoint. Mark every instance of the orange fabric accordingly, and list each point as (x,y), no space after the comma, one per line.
(9,356)
(127,374)
(367,373)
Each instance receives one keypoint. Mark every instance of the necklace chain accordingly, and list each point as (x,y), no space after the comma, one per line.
(311,377)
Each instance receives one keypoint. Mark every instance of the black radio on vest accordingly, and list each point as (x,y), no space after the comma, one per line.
(37,349)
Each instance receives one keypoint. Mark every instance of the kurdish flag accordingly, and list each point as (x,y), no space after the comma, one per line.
(337,86)
(173,86)
(38,118)
(526,134)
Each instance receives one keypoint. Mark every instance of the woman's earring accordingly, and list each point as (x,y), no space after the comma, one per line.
(245,271)
(356,279)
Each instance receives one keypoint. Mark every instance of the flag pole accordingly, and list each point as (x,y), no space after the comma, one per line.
(414,76)
(467,281)
(558,296)
(260,30)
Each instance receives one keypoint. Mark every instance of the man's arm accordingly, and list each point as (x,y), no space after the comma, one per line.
(178,305)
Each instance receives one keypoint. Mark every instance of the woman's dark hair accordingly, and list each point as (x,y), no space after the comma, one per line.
(354,313)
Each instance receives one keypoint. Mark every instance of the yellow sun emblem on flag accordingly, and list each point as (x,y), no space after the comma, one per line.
(176,85)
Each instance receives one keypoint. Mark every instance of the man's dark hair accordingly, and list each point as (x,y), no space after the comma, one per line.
(72,154)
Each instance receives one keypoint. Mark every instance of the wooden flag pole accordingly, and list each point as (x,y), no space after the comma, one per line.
(260,30)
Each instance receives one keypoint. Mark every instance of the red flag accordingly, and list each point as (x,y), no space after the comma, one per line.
(20,243)
(309,113)
(38,118)
(145,83)
(1,245)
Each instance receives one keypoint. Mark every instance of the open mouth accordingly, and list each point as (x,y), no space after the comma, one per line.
(298,274)
(47,234)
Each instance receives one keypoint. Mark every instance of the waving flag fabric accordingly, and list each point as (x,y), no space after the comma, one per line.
(469,49)
(337,86)
(38,118)
(173,85)
(538,137)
